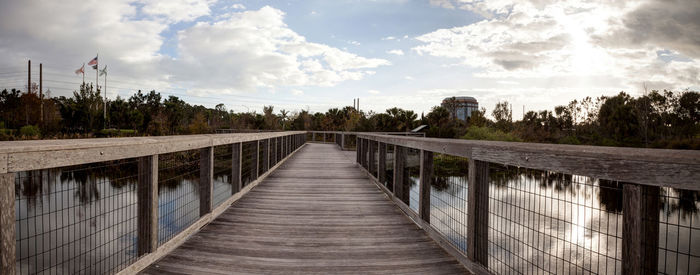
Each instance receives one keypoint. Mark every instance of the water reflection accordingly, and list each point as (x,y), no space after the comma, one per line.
(542,222)
(82,219)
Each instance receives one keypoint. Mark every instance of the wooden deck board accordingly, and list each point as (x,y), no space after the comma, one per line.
(316,214)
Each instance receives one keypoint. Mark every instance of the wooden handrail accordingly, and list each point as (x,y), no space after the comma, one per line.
(16,156)
(656,167)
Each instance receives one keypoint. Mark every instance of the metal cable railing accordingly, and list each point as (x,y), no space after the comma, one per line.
(178,192)
(522,219)
(222,173)
(77,219)
(98,206)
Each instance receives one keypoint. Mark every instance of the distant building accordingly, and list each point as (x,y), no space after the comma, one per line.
(463,106)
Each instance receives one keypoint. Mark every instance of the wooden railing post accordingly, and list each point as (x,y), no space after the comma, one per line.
(381,164)
(631,229)
(266,155)
(206,179)
(256,162)
(342,141)
(399,172)
(324,137)
(269,153)
(147,220)
(236,157)
(7,223)
(426,179)
(357,150)
(640,229)
(478,212)
(313,136)
(651,201)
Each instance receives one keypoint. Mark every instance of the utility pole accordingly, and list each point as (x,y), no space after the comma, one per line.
(105,103)
(29,76)
(29,90)
(41,92)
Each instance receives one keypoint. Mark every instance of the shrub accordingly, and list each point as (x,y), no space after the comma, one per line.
(486,133)
(29,131)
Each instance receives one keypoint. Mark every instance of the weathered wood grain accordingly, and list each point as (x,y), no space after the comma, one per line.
(631,229)
(657,167)
(381,165)
(176,241)
(148,204)
(206,179)
(426,179)
(42,154)
(478,212)
(311,221)
(400,189)
(7,223)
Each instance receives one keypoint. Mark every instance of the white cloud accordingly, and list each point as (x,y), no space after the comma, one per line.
(408,77)
(388,38)
(297,92)
(374,92)
(177,10)
(354,43)
(545,39)
(236,52)
(238,6)
(396,52)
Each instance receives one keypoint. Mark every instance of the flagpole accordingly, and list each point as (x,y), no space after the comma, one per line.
(105,88)
(83,73)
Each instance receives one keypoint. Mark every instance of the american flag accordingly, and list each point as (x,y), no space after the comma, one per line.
(81,70)
(93,61)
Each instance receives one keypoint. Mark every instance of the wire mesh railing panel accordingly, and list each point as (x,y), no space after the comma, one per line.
(309,136)
(553,223)
(222,173)
(412,176)
(374,157)
(350,142)
(77,219)
(280,152)
(389,182)
(178,193)
(679,231)
(262,156)
(449,197)
(248,173)
(273,152)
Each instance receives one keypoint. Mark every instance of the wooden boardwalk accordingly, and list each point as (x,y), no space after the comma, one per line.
(317,213)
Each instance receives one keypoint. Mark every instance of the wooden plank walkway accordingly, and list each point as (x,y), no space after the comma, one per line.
(318,213)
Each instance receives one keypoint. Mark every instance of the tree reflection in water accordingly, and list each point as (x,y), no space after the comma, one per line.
(570,208)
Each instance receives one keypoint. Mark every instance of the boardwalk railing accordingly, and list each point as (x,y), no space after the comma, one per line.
(346,140)
(504,208)
(107,205)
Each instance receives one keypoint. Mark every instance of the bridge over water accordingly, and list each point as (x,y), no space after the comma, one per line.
(339,202)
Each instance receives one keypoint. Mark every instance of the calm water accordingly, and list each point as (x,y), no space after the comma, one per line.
(83,219)
(562,224)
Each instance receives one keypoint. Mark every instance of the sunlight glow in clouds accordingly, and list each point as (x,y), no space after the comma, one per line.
(538,53)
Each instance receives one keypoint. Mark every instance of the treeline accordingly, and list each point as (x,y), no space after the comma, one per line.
(659,119)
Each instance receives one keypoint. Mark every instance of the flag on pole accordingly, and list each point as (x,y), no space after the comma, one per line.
(81,70)
(103,71)
(93,61)
(94,67)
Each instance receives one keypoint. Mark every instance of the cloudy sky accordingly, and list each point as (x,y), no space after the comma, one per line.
(318,54)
